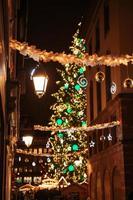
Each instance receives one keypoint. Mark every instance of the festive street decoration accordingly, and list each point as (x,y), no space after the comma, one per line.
(113,88)
(70,147)
(72,129)
(85,59)
(26,152)
(100,76)
(128,83)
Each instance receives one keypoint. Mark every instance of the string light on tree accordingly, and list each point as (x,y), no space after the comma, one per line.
(71,99)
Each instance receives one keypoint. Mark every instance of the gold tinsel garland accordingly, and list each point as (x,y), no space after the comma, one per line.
(25,152)
(84,128)
(93,60)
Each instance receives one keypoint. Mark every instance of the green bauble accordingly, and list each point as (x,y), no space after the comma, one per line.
(59,121)
(66,86)
(77,87)
(81,70)
(71,168)
(75,147)
(64,171)
(84,123)
(60,135)
(69,110)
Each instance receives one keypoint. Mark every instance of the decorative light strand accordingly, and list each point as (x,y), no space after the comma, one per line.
(93,60)
(84,128)
(21,151)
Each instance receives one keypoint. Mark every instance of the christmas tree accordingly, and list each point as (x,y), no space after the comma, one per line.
(70,147)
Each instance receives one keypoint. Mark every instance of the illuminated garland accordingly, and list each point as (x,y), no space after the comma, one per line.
(72,129)
(93,60)
(21,151)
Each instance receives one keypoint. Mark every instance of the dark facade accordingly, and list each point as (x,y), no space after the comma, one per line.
(110,161)
(11,23)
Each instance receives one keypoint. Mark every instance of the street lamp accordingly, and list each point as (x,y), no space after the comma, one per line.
(40,80)
(27,139)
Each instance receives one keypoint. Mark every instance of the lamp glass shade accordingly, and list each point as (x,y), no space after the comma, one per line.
(40,80)
(27,140)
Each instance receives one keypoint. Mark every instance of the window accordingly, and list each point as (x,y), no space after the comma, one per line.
(97,45)
(106,18)
(37,179)
(91,102)
(18,180)
(27,179)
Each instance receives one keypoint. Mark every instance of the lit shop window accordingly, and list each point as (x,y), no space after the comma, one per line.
(27,179)
(35,151)
(15,170)
(19,159)
(40,150)
(40,160)
(30,170)
(37,179)
(25,169)
(26,160)
(20,169)
(18,180)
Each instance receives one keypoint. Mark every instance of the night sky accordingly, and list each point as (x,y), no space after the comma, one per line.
(51,26)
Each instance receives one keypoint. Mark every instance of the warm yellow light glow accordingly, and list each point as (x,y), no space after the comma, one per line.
(93,60)
(40,85)
(27,140)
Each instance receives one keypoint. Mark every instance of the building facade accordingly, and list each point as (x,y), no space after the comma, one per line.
(11,27)
(109,31)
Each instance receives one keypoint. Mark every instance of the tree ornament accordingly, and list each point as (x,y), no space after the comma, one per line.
(64,171)
(99,76)
(82,70)
(80,113)
(71,168)
(78,162)
(82,81)
(84,123)
(60,135)
(66,86)
(75,147)
(77,87)
(128,83)
(59,121)
(113,88)
(69,110)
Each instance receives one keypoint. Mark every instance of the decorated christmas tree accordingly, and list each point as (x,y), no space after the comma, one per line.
(70,147)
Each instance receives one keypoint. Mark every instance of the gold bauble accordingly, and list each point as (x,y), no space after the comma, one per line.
(99,76)
(128,83)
